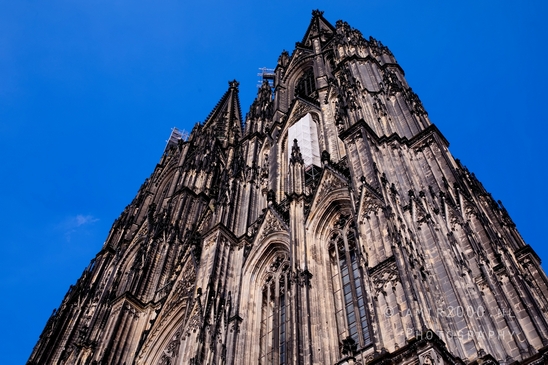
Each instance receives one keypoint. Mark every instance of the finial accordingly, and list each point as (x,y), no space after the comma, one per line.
(234,84)
(317,13)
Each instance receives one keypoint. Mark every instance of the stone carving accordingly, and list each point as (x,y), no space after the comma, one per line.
(224,188)
(209,242)
(328,185)
(415,103)
(378,106)
(171,350)
(430,358)
(278,262)
(182,289)
(348,346)
(423,144)
(391,84)
(300,110)
(303,278)
(370,204)
(270,226)
(384,275)
(195,320)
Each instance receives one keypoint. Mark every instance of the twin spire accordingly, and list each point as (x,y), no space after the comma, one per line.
(225,120)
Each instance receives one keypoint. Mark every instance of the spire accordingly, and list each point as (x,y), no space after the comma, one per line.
(319,26)
(225,120)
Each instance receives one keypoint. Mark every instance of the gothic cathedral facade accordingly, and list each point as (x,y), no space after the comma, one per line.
(331,226)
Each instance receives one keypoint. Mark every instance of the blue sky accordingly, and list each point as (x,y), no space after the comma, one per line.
(90,89)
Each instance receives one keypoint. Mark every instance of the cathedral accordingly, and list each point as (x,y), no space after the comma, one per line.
(331,225)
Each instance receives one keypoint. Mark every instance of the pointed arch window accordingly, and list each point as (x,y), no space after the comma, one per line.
(348,287)
(274,339)
(306,85)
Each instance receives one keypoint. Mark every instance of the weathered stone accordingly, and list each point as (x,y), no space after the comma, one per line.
(236,252)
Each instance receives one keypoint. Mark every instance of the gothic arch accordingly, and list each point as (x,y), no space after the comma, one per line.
(164,184)
(330,197)
(295,70)
(327,211)
(167,345)
(170,328)
(126,263)
(255,272)
(347,281)
(263,251)
(337,268)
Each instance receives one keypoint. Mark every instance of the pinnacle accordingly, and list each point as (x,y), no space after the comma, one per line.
(317,13)
(319,27)
(296,156)
(234,84)
(225,118)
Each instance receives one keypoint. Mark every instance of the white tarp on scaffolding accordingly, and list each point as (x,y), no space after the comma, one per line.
(306,134)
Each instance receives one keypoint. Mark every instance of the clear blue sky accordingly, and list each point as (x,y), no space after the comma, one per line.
(89,90)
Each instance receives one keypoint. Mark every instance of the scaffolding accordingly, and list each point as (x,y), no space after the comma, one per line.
(266,74)
(306,134)
(176,135)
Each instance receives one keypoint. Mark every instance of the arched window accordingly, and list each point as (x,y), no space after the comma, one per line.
(275,313)
(348,288)
(306,85)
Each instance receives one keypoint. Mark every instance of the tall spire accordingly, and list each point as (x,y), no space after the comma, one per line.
(265,244)
(225,120)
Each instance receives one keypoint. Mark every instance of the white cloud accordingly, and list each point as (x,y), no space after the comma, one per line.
(75,224)
(81,220)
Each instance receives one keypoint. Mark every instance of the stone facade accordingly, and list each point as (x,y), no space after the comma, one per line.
(245,247)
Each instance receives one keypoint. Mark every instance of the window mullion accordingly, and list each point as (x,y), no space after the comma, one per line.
(361,320)
(271,320)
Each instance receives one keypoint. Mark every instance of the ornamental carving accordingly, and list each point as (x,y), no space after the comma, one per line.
(182,288)
(384,275)
(171,350)
(379,107)
(454,219)
(415,104)
(370,204)
(391,84)
(209,243)
(328,185)
(421,214)
(430,358)
(300,110)
(271,225)
(280,261)
(424,144)
(195,319)
(303,278)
